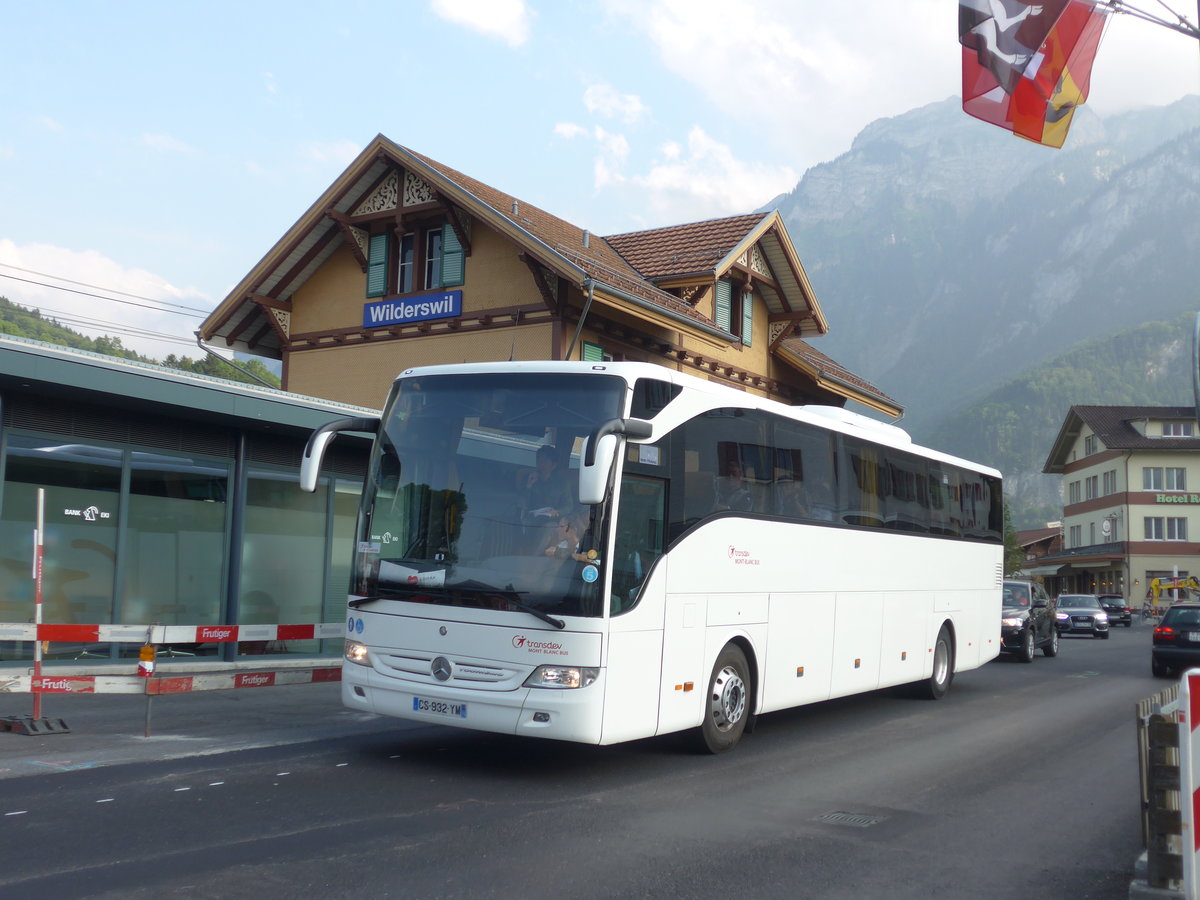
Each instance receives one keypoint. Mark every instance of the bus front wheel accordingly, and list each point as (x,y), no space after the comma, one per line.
(727,705)
(936,685)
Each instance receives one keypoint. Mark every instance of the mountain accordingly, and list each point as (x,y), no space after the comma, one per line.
(952,259)
(1013,426)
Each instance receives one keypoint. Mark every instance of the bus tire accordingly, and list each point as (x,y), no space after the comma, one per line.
(727,703)
(938,683)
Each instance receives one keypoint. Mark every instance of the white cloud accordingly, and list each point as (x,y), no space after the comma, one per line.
(812,73)
(508,20)
(167,143)
(94,295)
(605,100)
(701,180)
(50,124)
(569,130)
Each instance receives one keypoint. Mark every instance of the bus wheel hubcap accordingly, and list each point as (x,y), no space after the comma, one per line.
(728,698)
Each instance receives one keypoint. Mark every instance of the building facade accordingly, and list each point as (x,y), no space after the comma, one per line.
(404,261)
(170,498)
(1131,492)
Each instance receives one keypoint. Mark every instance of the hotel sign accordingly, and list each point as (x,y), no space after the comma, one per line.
(442,305)
(1177,498)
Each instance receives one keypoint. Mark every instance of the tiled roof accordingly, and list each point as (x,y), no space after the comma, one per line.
(599,260)
(826,367)
(1113,425)
(683,249)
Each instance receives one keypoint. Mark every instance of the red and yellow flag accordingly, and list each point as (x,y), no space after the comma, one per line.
(1027,66)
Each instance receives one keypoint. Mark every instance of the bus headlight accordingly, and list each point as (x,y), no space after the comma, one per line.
(357,653)
(562,677)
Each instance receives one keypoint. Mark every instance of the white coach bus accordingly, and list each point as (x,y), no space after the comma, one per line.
(707,556)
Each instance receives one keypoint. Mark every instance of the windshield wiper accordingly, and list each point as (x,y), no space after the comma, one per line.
(513,597)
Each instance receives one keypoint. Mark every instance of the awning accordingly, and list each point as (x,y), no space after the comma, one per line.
(1042,570)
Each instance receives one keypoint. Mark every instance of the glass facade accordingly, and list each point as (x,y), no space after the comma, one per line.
(135,534)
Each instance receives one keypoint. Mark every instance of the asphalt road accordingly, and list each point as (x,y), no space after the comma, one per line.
(1021,783)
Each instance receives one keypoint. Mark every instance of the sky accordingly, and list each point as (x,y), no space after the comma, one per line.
(152,153)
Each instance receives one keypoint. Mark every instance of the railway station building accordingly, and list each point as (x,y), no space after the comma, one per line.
(404,262)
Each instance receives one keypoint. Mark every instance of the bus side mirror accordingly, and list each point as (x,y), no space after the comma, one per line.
(593,477)
(314,450)
(599,453)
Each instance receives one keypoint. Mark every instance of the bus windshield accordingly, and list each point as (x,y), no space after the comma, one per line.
(472,496)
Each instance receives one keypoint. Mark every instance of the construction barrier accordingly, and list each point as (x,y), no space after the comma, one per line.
(156,685)
(183,676)
(200,675)
(1188,712)
(166,634)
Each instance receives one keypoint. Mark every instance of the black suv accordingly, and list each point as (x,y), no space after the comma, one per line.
(1027,621)
(1176,640)
(1118,612)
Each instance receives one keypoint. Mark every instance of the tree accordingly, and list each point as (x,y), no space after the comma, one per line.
(1014,553)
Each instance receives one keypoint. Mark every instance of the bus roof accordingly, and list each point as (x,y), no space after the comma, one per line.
(831,418)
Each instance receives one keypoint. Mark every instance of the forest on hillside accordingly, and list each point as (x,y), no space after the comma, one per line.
(22,322)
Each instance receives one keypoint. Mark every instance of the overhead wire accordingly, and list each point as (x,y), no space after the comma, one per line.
(104,325)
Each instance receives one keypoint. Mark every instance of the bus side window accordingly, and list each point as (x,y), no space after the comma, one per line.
(640,527)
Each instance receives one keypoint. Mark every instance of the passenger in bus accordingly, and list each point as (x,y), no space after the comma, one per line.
(568,540)
(545,491)
(733,491)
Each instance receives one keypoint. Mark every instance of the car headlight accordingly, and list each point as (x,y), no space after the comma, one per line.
(562,677)
(1062,617)
(1101,617)
(356,652)
(1011,623)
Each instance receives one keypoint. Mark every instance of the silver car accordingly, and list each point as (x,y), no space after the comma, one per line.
(1081,614)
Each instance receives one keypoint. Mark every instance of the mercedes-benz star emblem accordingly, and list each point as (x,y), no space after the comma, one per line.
(440,668)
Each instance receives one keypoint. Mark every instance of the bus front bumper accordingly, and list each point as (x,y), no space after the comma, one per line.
(566,715)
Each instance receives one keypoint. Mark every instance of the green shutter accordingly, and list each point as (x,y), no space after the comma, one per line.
(377,265)
(592,352)
(747,317)
(453,258)
(722,305)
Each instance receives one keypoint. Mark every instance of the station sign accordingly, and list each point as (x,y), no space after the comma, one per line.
(421,308)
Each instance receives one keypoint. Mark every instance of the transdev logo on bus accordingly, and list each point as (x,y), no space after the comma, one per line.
(443,305)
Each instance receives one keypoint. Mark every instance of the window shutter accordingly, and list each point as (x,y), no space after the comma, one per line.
(453,258)
(592,352)
(377,265)
(747,317)
(723,304)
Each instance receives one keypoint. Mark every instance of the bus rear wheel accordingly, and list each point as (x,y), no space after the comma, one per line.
(936,685)
(727,704)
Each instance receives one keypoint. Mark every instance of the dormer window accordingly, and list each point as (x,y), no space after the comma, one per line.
(1178,429)
(1089,445)
(733,309)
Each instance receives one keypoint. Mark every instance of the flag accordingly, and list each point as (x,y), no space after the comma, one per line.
(1027,66)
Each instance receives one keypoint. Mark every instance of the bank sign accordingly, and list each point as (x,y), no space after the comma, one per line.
(443,305)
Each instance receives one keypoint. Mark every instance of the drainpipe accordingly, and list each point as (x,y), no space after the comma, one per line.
(587,305)
(232,365)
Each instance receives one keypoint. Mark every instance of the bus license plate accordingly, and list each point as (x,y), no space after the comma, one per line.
(440,707)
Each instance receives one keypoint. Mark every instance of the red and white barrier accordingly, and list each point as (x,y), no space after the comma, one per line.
(167,684)
(38,683)
(1188,712)
(166,634)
